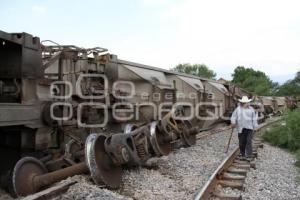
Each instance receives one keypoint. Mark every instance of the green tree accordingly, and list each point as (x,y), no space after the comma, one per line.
(195,69)
(290,87)
(254,81)
(297,78)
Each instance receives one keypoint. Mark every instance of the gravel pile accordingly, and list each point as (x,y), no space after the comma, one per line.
(176,176)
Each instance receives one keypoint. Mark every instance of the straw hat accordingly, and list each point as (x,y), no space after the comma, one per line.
(245,99)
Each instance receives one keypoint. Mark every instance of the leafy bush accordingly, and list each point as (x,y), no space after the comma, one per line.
(286,134)
(277,136)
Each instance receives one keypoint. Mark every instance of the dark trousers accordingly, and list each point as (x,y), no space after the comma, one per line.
(245,142)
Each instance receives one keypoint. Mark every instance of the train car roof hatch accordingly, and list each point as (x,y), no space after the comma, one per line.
(195,83)
(155,77)
(220,87)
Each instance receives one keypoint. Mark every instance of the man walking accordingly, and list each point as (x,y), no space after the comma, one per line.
(244,119)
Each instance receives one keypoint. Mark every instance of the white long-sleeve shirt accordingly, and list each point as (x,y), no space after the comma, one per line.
(244,118)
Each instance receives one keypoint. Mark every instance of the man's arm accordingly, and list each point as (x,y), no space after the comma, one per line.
(254,120)
(234,118)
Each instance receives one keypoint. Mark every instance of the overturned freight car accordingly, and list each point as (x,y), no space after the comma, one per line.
(24,128)
(67,110)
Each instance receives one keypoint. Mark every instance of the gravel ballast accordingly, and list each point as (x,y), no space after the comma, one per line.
(275,176)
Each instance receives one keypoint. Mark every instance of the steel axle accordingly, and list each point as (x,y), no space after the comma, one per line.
(30,174)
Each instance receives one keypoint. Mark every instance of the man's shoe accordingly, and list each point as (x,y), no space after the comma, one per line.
(242,157)
(249,158)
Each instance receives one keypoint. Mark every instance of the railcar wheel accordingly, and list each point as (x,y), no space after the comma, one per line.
(101,166)
(23,174)
(129,128)
(188,135)
(160,147)
(188,139)
(71,148)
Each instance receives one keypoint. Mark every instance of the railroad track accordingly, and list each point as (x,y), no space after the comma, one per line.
(231,172)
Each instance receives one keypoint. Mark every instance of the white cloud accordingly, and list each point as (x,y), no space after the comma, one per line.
(39,9)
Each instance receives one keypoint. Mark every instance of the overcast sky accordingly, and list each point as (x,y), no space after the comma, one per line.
(262,34)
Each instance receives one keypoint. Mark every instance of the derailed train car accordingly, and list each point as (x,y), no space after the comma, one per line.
(280,104)
(277,105)
(53,99)
(291,102)
(23,128)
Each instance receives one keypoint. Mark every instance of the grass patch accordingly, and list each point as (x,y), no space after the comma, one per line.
(286,134)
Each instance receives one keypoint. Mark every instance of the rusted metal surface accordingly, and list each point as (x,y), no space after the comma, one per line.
(23,174)
(58,175)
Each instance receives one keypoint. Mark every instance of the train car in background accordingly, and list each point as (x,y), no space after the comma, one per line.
(280,105)
(236,93)
(268,105)
(291,102)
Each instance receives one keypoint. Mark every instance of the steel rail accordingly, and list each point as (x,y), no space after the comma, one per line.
(208,188)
